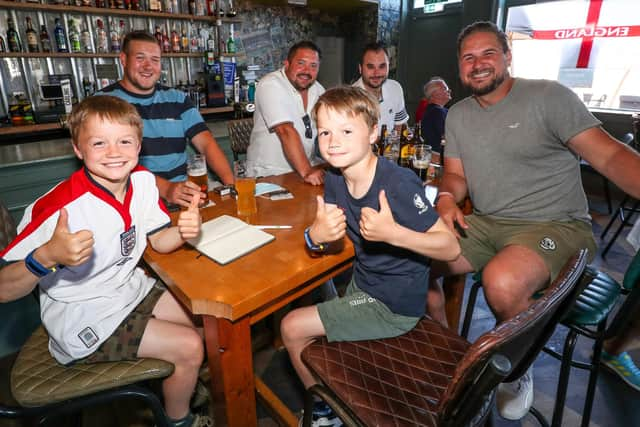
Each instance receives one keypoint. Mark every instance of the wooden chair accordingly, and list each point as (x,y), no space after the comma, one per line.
(430,376)
(239,133)
(42,388)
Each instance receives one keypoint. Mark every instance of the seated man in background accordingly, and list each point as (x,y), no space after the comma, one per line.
(374,78)
(438,95)
(282,139)
(170,119)
(514,148)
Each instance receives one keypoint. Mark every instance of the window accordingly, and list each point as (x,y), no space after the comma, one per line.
(591,46)
(432,6)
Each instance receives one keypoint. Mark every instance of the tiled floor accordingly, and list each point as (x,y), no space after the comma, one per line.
(615,403)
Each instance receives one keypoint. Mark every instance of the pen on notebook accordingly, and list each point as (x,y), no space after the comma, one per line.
(273,227)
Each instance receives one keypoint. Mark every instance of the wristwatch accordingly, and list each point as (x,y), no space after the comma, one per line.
(321,247)
(36,268)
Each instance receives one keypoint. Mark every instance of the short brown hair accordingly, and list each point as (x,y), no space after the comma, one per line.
(137,35)
(483,27)
(105,107)
(350,100)
(304,44)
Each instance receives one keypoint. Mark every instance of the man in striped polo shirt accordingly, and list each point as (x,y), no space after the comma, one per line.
(170,119)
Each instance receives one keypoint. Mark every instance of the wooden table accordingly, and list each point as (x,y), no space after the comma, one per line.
(231,298)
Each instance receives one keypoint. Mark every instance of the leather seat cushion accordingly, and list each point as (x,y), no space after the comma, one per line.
(390,382)
(38,379)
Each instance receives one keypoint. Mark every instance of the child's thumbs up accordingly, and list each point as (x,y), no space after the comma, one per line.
(322,209)
(62,226)
(384,203)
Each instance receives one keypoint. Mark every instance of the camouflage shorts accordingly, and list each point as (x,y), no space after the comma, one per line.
(124,342)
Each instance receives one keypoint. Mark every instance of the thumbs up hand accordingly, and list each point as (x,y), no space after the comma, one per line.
(330,223)
(65,247)
(190,221)
(377,226)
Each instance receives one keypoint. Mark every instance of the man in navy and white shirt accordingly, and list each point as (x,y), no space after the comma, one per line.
(374,77)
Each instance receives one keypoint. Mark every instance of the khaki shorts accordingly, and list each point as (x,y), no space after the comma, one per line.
(123,344)
(357,316)
(554,241)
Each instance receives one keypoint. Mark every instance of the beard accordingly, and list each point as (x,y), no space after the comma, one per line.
(303,86)
(490,87)
(367,82)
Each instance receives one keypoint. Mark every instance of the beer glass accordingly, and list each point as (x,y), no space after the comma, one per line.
(392,150)
(421,160)
(245,189)
(197,173)
(434,175)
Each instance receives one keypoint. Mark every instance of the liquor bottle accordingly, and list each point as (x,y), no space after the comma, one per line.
(158,36)
(211,43)
(155,6)
(231,44)
(13,38)
(175,40)
(231,11)
(201,7)
(45,41)
(378,147)
(102,44)
(211,7)
(166,44)
(184,40)
(101,3)
(114,37)
(87,87)
(74,36)
(86,3)
(32,37)
(192,7)
(122,32)
(60,37)
(405,147)
(193,42)
(3,46)
(85,39)
(168,6)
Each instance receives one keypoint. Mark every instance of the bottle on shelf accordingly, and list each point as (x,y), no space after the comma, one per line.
(45,41)
(60,37)
(231,11)
(87,87)
(158,35)
(166,44)
(184,39)
(211,43)
(201,7)
(192,7)
(102,44)
(211,7)
(3,46)
(193,39)
(168,6)
(85,39)
(155,6)
(175,40)
(122,32)
(86,3)
(114,37)
(74,36)
(32,37)
(13,38)
(102,3)
(231,44)
(15,111)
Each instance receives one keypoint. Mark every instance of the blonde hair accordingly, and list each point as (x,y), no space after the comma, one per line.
(350,100)
(105,107)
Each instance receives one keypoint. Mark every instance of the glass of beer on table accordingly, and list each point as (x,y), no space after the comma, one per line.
(245,189)
(421,160)
(197,173)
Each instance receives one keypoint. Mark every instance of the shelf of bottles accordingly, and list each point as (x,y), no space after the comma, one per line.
(41,43)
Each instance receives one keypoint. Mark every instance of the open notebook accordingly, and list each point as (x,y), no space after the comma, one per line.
(226,238)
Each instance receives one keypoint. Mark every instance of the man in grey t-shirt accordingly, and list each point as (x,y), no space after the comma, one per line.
(514,148)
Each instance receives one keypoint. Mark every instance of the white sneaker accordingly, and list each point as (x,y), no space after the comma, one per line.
(515,398)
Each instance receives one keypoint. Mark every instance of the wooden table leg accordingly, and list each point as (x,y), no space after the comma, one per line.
(454,294)
(231,366)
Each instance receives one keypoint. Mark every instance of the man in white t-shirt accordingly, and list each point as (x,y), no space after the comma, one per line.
(374,77)
(283,133)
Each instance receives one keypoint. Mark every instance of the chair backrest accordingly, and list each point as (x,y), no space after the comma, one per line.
(7,227)
(239,133)
(629,308)
(508,350)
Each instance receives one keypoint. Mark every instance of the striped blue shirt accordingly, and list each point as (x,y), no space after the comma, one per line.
(169,119)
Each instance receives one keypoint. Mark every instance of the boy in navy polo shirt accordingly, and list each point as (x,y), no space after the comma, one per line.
(395,232)
(81,243)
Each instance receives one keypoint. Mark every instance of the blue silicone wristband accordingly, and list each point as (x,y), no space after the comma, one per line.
(36,268)
(312,246)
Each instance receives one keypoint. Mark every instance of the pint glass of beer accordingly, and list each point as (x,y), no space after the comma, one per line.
(245,189)
(197,173)
(421,160)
